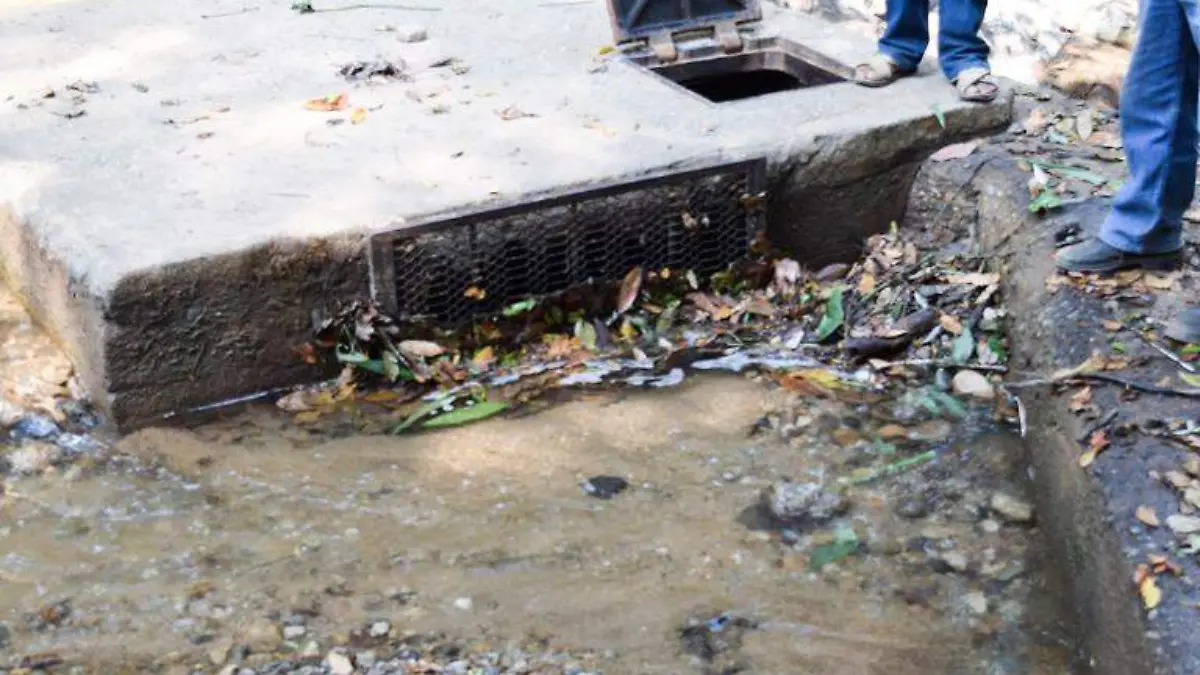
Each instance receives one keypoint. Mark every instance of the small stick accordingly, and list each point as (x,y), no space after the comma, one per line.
(1170,355)
(934,363)
(1104,421)
(1075,378)
(244,10)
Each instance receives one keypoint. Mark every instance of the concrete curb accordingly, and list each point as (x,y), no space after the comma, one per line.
(1087,514)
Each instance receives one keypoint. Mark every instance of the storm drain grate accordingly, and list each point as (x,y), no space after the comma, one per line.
(452,270)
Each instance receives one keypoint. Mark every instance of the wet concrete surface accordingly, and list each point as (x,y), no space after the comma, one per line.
(249,544)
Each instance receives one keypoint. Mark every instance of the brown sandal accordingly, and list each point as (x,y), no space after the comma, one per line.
(879,71)
(976,85)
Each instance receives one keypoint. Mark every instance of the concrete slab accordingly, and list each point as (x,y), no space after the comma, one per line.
(178,234)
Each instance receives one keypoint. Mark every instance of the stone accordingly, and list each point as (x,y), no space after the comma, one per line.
(1011,509)
(955,561)
(261,635)
(379,629)
(1181,524)
(33,458)
(411,34)
(293,632)
(339,664)
(989,526)
(464,604)
(913,508)
(977,602)
(971,383)
(192,273)
(791,502)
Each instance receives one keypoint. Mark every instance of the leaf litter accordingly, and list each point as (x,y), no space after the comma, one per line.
(889,322)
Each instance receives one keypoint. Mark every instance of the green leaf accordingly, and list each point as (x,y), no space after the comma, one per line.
(964,347)
(1077,173)
(953,406)
(1190,350)
(521,307)
(940,115)
(391,366)
(422,412)
(1119,347)
(997,346)
(360,360)
(303,6)
(891,469)
(465,415)
(834,315)
(1047,200)
(845,543)
(586,332)
(1192,379)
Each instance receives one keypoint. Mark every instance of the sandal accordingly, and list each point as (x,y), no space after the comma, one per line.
(879,71)
(976,85)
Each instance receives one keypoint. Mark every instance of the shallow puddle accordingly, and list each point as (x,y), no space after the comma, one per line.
(192,542)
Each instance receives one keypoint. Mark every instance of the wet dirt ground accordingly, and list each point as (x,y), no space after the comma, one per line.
(250,545)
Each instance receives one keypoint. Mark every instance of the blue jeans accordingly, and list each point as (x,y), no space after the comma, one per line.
(959,45)
(1158,125)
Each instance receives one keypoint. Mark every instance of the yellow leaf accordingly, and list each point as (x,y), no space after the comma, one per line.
(307,417)
(627,330)
(381,396)
(1160,282)
(1147,515)
(1081,401)
(866,284)
(1096,445)
(475,293)
(1151,595)
(629,290)
(358,116)
(973,279)
(327,103)
(484,357)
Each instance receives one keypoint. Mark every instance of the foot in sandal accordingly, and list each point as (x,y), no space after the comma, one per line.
(880,71)
(976,85)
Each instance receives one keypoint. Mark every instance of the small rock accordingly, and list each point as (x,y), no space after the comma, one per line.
(971,383)
(1192,466)
(955,561)
(605,487)
(465,604)
(218,653)
(339,664)
(35,426)
(33,458)
(365,659)
(411,34)
(913,508)
(989,526)
(789,502)
(379,629)
(892,432)
(992,320)
(977,602)
(261,635)
(10,413)
(1181,524)
(1011,509)
(293,632)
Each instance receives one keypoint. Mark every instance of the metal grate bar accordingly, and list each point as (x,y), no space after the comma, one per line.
(700,220)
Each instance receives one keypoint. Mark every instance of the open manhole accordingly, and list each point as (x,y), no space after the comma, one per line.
(449,271)
(716,48)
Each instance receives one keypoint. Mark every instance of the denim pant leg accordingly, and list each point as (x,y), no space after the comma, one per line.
(1158,125)
(907,33)
(959,44)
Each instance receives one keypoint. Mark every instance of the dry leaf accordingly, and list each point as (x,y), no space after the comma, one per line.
(950,324)
(420,349)
(1037,122)
(512,112)
(307,417)
(956,151)
(760,306)
(474,293)
(1081,400)
(866,284)
(1097,444)
(327,103)
(1147,515)
(629,290)
(1160,282)
(1085,124)
(1107,139)
(358,116)
(1112,325)
(973,279)
(1150,593)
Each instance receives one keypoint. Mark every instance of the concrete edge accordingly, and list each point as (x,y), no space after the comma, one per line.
(1083,524)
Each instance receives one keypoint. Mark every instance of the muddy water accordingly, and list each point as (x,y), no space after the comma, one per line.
(179,544)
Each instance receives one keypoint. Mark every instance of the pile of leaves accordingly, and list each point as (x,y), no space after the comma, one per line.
(896,316)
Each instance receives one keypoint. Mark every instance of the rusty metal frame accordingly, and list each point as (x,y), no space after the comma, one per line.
(622,33)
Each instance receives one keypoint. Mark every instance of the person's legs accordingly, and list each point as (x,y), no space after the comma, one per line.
(907,33)
(959,45)
(1158,125)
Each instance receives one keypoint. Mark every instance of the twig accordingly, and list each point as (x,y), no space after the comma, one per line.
(1170,355)
(348,8)
(1104,421)
(244,10)
(1074,378)
(892,469)
(934,363)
